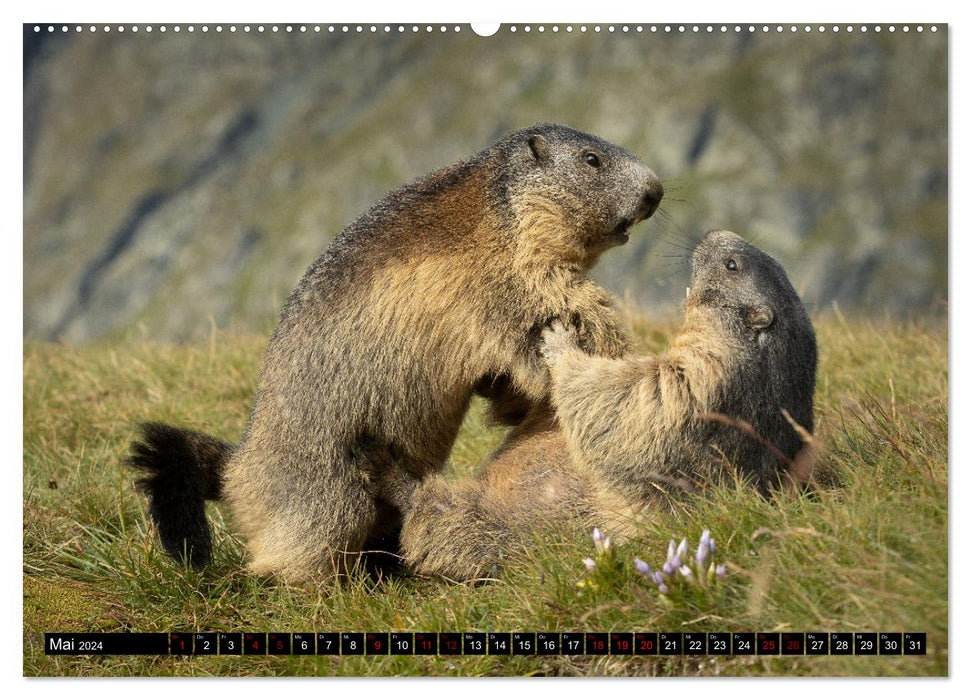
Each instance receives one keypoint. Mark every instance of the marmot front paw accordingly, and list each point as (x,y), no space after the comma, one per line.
(557,339)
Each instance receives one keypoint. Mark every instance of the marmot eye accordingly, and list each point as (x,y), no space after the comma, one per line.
(730,264)
(591,159)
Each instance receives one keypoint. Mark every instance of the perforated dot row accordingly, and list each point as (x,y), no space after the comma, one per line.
(373,28)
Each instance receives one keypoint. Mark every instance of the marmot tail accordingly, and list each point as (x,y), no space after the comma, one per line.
(182,470)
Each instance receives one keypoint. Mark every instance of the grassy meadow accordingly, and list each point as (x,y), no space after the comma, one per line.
(867,551)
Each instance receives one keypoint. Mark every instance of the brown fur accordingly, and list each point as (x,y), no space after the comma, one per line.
(632,433)
(440,290)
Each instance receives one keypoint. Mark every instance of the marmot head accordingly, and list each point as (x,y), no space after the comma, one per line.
(750,296)
(585,190)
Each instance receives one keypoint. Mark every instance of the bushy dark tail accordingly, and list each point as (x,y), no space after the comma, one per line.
(182,469)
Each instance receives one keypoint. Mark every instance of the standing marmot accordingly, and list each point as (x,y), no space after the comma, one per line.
(441,289)
(631,431)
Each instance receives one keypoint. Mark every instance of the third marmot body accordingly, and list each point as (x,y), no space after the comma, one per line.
(440,290)
(629,434)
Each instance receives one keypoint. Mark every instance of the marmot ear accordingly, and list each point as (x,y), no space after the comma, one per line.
(759,317)
(538,146)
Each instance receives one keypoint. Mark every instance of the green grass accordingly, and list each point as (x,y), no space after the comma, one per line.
(867,552)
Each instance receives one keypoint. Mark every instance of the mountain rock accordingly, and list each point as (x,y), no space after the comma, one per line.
(175,181)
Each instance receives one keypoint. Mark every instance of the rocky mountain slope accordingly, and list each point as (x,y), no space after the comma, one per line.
(173,181)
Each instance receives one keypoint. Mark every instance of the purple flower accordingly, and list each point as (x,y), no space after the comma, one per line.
(658,578)
(703,549)
(721,571)
(642,567)
(671,550)
(662,588)
(683,549)
(589,563)
(668,569)
(686,571)
(676,562)
(600,541)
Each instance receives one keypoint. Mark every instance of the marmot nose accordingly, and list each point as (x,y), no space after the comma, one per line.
(652,198)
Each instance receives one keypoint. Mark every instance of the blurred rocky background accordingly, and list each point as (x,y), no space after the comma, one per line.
(176,181)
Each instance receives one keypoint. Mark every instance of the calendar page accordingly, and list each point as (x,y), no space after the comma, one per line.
(512,349)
